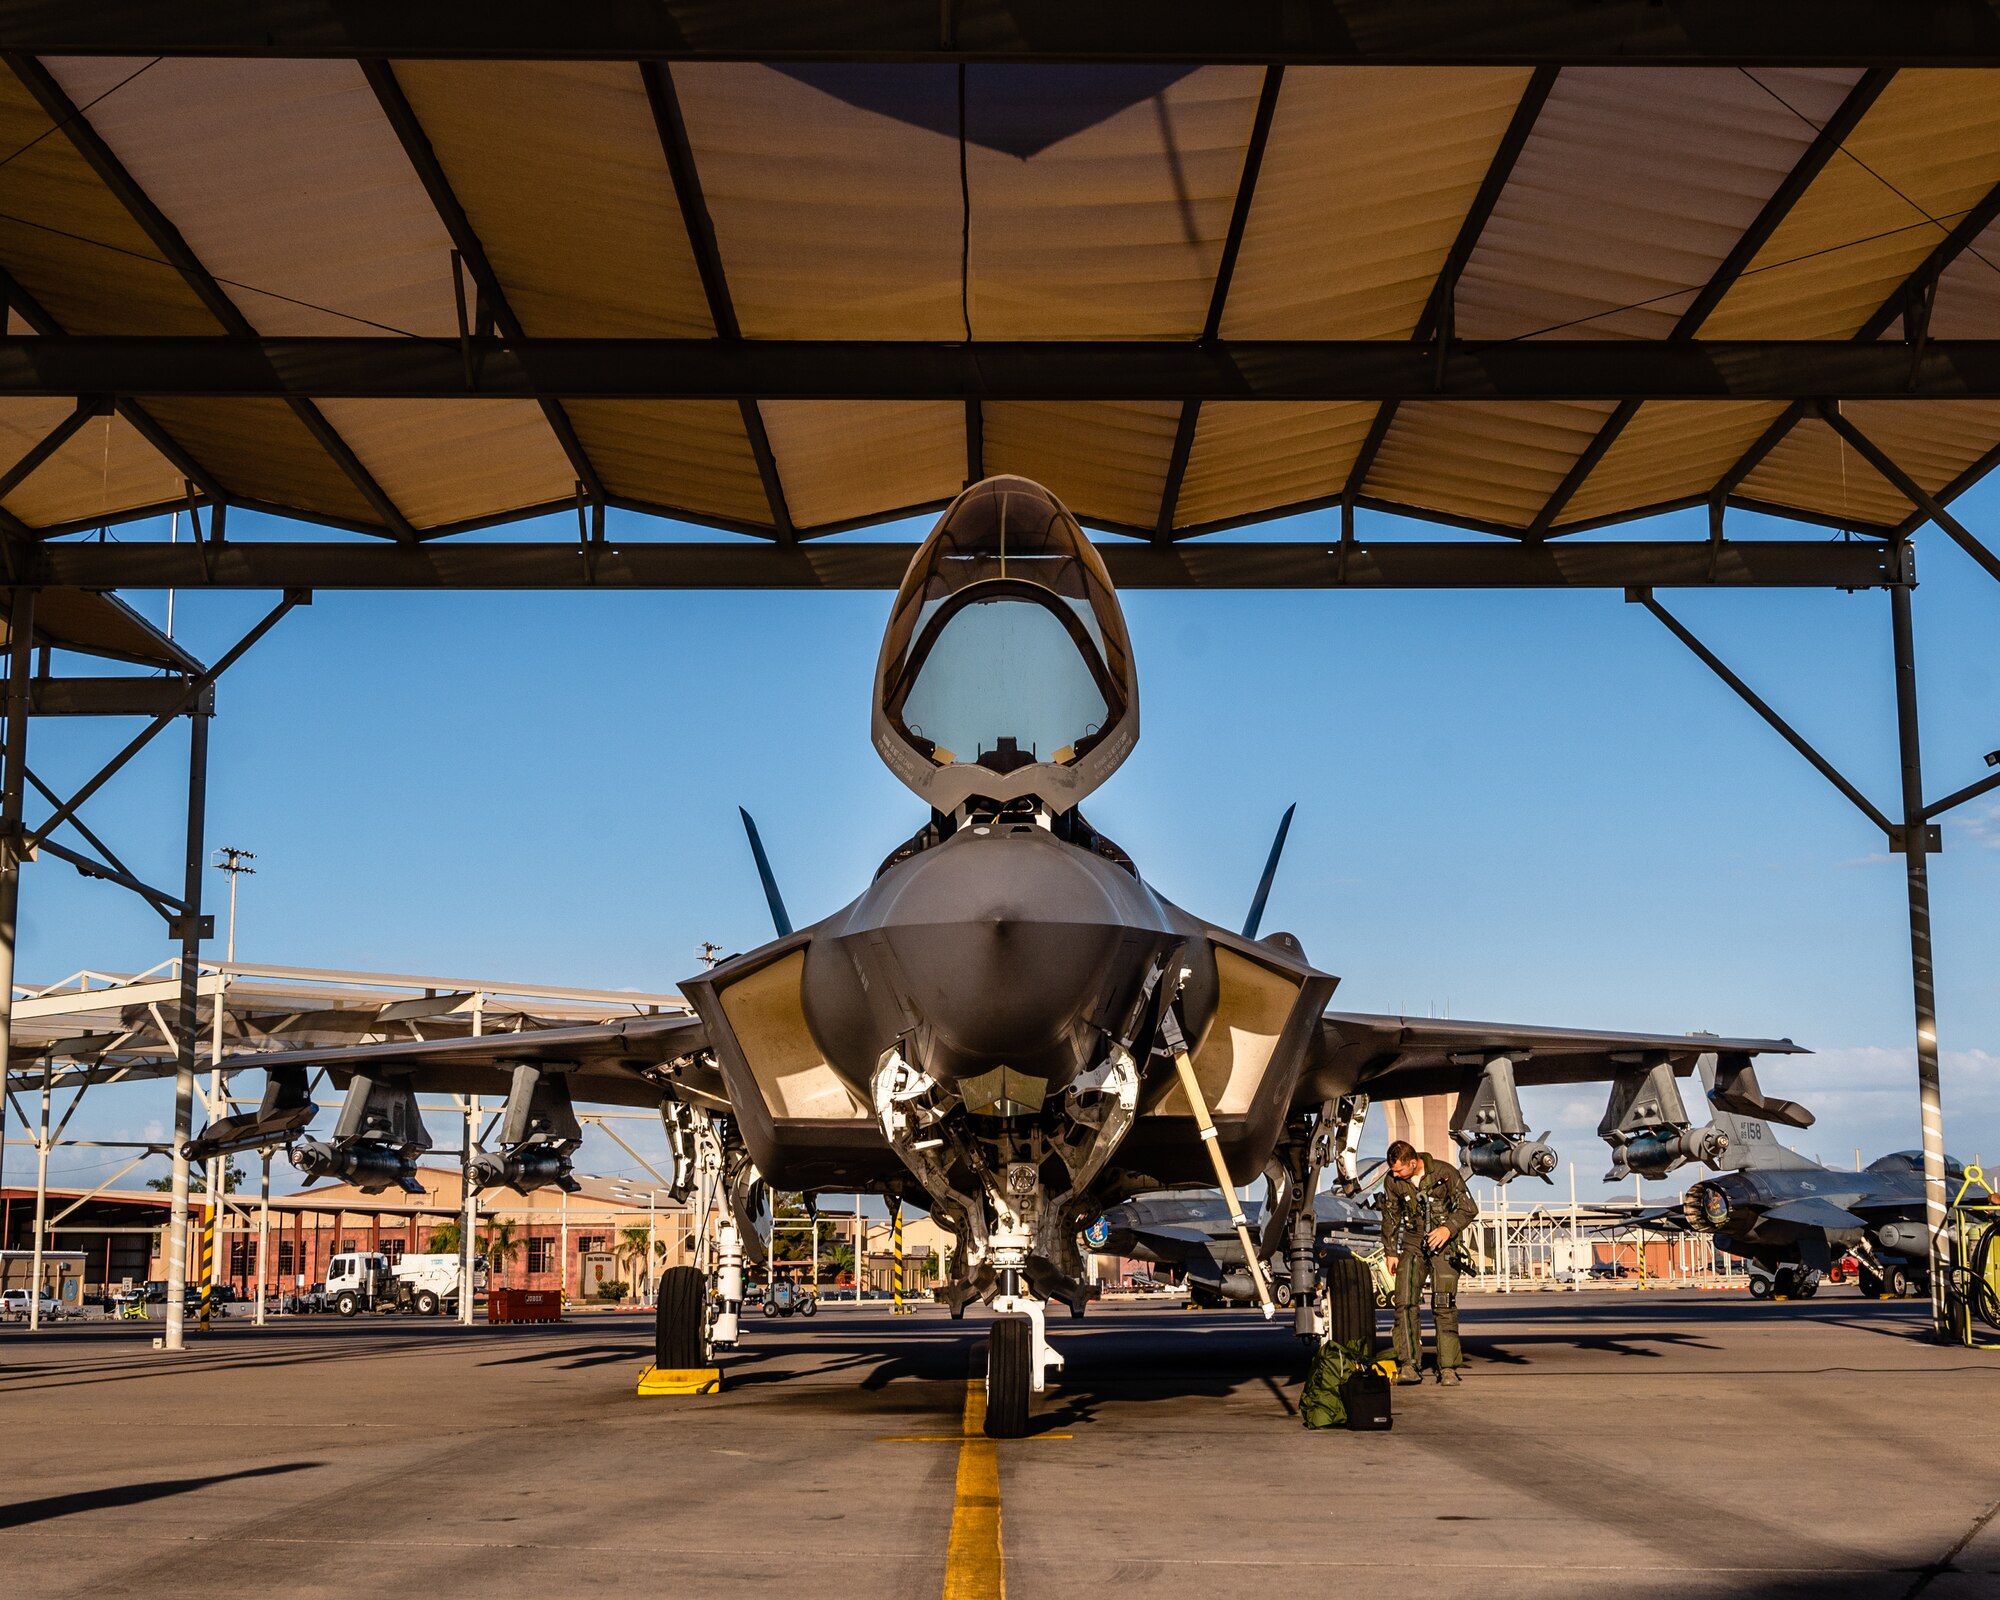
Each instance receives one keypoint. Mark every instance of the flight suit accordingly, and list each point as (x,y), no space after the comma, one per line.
(1436,1198)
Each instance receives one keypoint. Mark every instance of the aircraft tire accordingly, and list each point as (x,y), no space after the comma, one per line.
(1281,1293)
(677,1341)
(1350,1298)
(1870,1284)
(1896,1283)
(1010,1349)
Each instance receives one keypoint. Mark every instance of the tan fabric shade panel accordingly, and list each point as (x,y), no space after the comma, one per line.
(842,461)
(817,202)
(104,464)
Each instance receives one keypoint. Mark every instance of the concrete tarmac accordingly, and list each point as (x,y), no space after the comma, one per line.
(1642,1445)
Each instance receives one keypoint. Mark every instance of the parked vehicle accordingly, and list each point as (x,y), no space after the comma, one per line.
(15,1307)
(783,1298)
(421,1285)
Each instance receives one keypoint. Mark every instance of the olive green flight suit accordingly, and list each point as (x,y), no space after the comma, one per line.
(1436,1198)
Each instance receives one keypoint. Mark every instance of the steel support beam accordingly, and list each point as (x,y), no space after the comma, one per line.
(1911,490)
(1188,32)
(175,251)
(1222,369)
(189,929)
(13,775)
(1435,317)
(1218,298)
(1189,564)
(1923,978)
(1756,703)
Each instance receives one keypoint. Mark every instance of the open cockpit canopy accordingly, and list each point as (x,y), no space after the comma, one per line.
(1006,670)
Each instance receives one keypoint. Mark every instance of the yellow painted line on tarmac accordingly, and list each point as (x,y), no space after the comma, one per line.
(975,1566)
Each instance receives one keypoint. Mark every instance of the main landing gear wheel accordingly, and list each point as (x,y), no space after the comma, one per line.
(1010,1349)
(1896,1283)
(1870,1284)
(1350,1299)
(679,1341)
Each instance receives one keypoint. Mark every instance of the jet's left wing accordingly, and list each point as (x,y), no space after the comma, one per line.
(1393,1057)
(626,1062)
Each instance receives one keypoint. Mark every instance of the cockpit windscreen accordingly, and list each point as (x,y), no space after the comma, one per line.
(1007,648)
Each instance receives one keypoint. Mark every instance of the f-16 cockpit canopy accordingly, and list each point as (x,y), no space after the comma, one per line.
(1006,671)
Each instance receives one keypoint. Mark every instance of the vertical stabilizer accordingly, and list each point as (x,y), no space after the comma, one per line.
(1753,1147)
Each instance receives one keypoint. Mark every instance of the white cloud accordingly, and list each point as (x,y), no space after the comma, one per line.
(1981,825)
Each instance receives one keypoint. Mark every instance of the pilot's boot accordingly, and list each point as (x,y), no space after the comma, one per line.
(1447,1376)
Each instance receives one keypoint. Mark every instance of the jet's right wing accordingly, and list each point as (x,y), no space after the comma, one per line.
(1394,1057)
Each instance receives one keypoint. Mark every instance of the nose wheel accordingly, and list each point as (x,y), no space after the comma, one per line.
(1010,1351)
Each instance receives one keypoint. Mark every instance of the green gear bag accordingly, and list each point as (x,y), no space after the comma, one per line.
(1321,1404)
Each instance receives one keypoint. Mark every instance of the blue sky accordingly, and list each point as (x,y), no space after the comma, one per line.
(1527,806)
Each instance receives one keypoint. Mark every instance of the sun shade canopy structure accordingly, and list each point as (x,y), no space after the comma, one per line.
(311,261)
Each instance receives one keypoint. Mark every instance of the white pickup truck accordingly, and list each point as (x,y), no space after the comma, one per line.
(424,1286)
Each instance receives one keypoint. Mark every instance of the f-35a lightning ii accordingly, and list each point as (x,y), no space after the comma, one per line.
(1008,1027)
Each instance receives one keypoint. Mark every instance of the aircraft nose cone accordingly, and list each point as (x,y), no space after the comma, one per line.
(1011,952)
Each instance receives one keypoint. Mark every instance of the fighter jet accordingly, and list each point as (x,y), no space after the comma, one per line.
(1193,1233)
(1792,1217)
(1009,1026)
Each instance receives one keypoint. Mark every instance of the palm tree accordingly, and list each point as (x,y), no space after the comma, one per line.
(632,1249)
(500,1245)
(446,1237)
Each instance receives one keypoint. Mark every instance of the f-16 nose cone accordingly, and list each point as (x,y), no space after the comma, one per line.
(1012,953)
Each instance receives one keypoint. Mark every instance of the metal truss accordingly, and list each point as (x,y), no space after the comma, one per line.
(483,367)
(1807,33)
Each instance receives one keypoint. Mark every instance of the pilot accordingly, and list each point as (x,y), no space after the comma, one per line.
(1425,1206)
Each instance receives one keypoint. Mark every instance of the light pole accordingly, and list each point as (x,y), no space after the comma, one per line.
(229,859)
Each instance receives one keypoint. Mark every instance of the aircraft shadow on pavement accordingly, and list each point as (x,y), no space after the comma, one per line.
(23,1513)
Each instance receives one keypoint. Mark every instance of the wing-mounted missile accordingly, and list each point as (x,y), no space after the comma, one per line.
(285,1112)
(378,1140)
(539,1133)
(1006,672)
(1647,1126)
(1491,1133)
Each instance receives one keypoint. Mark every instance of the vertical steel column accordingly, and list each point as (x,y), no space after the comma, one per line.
(263,1230)
(184,1038)
(468,1214)
(41,1201)
(1923,983)
(13,771)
